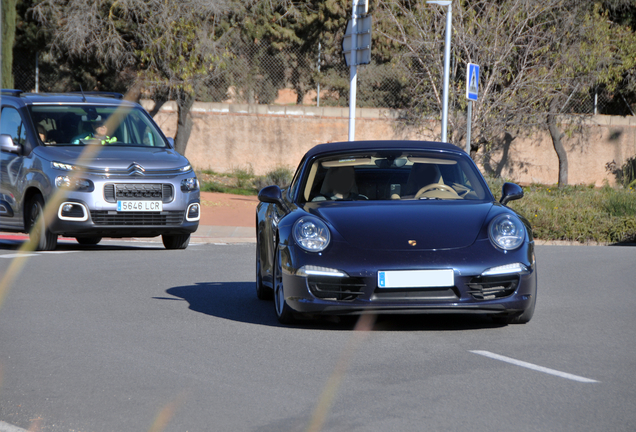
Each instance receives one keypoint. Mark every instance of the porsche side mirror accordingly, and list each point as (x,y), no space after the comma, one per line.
(271,195)
(171,141)
(7,144)
(510,192)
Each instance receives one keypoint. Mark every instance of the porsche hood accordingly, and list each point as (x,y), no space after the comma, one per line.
(422,225)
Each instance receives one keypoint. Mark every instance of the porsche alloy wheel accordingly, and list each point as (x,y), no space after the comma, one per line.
(283,311)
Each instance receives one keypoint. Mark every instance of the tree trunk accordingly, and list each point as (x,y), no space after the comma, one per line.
(184,122)
(160,97)
(556,135)
(7,24)
(134,92)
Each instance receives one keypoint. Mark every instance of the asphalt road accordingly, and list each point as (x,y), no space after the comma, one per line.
(121,337)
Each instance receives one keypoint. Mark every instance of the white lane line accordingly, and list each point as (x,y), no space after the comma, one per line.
(16,255)
(534,367)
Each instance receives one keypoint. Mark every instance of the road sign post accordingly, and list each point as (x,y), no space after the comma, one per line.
(356,46)
(472,90)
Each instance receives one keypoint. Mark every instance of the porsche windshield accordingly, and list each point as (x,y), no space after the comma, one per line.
(396,176)
(95,124)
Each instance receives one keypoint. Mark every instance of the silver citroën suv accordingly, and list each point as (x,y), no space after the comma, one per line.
(95,166)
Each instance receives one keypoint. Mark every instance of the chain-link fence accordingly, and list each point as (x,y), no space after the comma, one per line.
(598,101)
(306,75)
(262,73)
(24,73)
(41,73)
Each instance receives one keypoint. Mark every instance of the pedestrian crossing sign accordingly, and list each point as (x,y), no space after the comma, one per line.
(472,81)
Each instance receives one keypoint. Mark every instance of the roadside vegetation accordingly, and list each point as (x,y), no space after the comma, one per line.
(577,213)
(572,213)
(242,181)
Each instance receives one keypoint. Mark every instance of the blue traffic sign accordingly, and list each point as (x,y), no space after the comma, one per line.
(472,81)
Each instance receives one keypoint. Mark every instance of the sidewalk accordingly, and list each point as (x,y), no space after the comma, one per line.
(223,234)
(226,218)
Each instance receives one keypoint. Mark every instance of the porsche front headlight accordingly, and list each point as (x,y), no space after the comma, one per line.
(506,232)
(311,234)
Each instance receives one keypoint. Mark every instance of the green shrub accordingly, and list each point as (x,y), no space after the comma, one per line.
(244,177)
(239,181)
(619,204)
(629,173)
(281,177)
(626,174)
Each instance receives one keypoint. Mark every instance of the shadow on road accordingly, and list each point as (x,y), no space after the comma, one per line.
(237,301)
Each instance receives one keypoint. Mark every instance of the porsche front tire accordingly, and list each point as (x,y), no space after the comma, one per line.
(283,311)
(262,292)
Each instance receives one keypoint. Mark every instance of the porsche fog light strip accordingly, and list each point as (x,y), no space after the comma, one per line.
(505,269)
(310,270)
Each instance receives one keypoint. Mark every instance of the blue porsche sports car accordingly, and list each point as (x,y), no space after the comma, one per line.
(393,227)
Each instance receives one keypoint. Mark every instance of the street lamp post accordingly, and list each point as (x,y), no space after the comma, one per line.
(449,20)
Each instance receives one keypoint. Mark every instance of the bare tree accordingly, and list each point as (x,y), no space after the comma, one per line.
(532,56)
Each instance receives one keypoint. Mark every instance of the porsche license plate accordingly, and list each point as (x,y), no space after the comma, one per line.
(416,278)
(145,206)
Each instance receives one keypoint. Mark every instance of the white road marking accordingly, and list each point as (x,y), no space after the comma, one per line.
(534,367)
(18,255)
(7,427)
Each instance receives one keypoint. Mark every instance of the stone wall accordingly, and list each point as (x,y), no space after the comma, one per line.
(263,137)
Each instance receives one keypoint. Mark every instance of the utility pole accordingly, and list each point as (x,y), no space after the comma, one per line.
(357,50)
(447,46)
(472,92)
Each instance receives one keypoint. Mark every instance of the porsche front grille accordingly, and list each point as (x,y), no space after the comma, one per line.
(332,288)
(114,192)
(492,287)
(112,218)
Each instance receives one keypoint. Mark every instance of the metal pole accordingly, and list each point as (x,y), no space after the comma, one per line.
(446,72)
(37,73)
(353,72)
(447,45)
(596,100)
(1,82)
(353,78)
(318,84)
(469,120)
